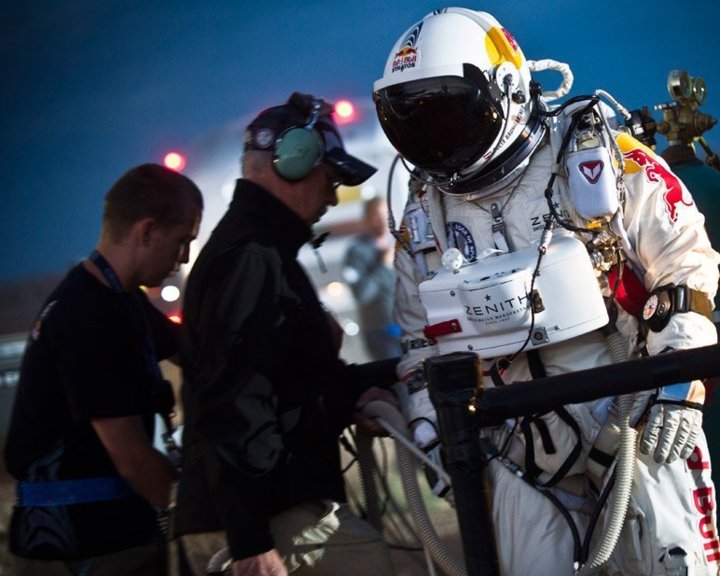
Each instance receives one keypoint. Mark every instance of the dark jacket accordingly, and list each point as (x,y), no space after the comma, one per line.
(265,394)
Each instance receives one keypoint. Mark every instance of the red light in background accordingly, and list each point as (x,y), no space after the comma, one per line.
(344,112)
(177,318)
(174,161)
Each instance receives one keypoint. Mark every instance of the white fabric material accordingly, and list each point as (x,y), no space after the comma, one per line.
(545,545)
(672,507)
(666,250)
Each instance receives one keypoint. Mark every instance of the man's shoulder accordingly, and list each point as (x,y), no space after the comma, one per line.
(220,256)
(78,299)
(247,259)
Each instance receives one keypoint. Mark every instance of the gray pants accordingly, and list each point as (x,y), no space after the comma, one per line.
(315,539)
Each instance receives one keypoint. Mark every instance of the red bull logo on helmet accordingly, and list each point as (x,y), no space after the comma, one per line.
(404,59)
(407,56)
(675,195)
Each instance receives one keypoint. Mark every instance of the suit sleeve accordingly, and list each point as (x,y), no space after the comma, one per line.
(668,233)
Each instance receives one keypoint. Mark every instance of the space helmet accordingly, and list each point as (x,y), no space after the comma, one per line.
(456,101)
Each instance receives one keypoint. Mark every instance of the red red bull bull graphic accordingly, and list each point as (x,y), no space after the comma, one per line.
(404,59)
(407,56)
(675,195)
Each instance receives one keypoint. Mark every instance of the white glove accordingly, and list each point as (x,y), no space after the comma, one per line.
(422,419)
(420,415)
(671,432)
(439,486)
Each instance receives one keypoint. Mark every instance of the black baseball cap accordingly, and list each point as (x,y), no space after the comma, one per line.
(298,111)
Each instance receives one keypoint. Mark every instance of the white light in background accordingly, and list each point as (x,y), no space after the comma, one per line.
(170,293)
(335,289)
(174,161)
(351,328)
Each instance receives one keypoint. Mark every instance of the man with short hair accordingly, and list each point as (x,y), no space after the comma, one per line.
(90,482)
(265,393)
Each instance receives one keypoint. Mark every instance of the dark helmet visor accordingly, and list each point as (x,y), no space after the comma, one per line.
(441,125)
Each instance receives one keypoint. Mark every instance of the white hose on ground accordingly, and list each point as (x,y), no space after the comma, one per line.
(393,421)
(602,549)
(368,466)
(220,563)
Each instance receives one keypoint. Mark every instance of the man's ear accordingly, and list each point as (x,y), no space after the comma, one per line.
(145,229)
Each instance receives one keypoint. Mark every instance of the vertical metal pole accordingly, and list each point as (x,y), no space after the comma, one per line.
(451,380)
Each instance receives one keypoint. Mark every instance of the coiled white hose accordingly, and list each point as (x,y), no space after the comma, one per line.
(601,550)
(564,69)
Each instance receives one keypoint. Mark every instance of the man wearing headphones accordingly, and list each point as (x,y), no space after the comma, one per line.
(265,393)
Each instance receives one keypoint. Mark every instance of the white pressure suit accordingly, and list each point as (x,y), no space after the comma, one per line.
(671,522)
(494,170)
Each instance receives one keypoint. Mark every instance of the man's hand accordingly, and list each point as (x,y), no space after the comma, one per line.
(265,564)
(365,424)
(147,470)
(671,432)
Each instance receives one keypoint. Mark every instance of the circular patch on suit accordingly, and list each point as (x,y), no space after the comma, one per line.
(459,237)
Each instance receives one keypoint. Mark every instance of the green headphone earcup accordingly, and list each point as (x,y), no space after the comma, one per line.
(297,152)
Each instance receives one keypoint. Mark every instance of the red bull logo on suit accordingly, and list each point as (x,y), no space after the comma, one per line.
(674,195)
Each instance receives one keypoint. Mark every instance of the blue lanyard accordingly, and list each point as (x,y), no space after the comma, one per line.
(162,386)
(137,312)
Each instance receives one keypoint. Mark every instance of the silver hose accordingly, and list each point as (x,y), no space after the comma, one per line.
(394,423)
(220,563)
(601,550)
(368,466)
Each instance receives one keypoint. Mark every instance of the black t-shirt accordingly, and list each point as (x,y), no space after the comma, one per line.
(85,360)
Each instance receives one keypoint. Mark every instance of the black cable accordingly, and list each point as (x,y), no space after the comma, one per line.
(577,547)
(556,111)
(392,224)
(585,551)
(547,493)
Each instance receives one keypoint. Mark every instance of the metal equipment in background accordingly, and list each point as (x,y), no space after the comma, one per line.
(683,126)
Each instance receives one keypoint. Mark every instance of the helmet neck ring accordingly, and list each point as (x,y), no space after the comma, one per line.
(507,163)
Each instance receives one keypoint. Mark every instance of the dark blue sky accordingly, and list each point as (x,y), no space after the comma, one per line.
(92,87)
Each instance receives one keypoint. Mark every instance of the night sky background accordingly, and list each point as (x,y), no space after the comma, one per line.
(91,88)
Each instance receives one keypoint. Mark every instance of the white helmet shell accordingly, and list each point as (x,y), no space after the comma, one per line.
(468,55)
(444,40)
